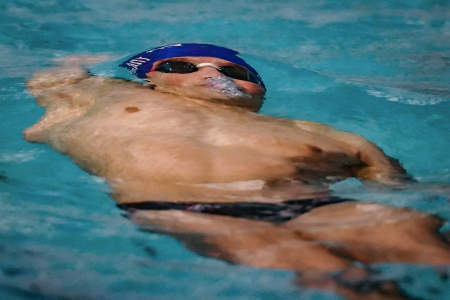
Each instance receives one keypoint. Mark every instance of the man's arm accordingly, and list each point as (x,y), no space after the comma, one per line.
(376,165)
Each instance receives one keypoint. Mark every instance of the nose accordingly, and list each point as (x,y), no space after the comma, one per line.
(209,70)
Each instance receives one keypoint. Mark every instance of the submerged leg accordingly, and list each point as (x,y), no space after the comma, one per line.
(353,283)
(243,241)
(373,233)
(264,244)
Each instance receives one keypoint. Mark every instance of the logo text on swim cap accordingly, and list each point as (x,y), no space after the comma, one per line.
(136,62)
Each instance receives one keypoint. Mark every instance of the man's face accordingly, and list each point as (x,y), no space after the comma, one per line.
(208,83)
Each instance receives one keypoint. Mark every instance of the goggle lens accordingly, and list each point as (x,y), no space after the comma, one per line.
(238,73)
(175,66)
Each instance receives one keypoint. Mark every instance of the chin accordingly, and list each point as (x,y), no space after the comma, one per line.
(243,100)
(253,103)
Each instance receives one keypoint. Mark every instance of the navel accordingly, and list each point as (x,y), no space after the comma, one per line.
(131,109)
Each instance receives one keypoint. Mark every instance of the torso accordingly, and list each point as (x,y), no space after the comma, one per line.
(180,142)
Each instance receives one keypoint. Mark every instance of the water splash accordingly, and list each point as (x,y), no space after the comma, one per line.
(404,96)
(227,86)
(21,156)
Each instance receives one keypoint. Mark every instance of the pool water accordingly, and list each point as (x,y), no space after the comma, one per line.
(378,68)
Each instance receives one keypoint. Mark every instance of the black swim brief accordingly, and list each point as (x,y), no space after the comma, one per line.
(269,212)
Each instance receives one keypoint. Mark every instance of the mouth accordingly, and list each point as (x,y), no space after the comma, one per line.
(225,85)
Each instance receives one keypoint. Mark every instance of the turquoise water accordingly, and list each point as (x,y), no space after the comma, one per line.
(380,69)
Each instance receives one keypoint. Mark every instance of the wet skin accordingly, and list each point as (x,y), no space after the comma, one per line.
(160,145)
(186,140)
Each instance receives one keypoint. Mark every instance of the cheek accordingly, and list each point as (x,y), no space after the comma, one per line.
(250,88)
(172,79)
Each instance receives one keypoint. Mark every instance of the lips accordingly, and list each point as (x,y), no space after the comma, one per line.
(226,86)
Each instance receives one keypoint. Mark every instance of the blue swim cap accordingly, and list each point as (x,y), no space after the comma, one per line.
(142,63)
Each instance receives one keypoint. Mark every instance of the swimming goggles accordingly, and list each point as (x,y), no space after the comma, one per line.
(183,67)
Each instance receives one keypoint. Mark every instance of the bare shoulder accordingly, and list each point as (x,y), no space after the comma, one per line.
(67,71)
(331,132)
(65,90)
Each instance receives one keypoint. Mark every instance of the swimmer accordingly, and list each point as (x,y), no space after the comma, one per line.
(192,134)
(187,153)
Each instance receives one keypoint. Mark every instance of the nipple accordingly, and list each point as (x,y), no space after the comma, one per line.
(226,86)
